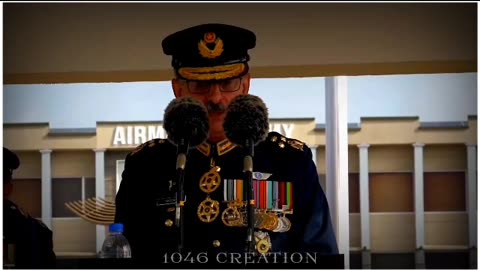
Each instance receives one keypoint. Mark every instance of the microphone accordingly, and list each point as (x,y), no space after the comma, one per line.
(186,124)
(246,124)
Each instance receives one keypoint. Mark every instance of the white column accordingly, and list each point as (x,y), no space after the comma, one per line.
(472,194)
(364,204)
(100,191)
(337,160)
(46,187)
(419,210)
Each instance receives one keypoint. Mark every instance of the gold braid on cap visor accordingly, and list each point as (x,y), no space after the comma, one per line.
(212,73)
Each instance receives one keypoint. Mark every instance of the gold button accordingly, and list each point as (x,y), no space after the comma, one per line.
(282,145)
(168,223)
(216,243)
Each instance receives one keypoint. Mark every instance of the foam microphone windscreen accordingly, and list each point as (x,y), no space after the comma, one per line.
(246,119)
(186,121)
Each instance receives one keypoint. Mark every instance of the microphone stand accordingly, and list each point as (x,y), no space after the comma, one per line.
(248,180)
(181,161)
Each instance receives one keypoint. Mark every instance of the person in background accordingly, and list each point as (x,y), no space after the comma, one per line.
(210,62)
(27,242)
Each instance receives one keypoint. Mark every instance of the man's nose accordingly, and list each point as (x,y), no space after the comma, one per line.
(215,93)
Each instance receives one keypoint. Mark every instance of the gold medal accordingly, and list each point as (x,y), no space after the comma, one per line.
(259,219)
(263,246)
(272,222)
(262,242)
(208,210)
(231,217)
(211,180)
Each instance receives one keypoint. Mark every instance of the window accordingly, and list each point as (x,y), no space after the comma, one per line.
(391,192)
(444,191)
(27,194)
(354,192)
(68,190)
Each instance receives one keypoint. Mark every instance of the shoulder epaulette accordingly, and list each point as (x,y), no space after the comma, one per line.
(282,141)
(150,143)
(296,144)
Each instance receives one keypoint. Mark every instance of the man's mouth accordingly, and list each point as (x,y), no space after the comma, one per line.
(216,108)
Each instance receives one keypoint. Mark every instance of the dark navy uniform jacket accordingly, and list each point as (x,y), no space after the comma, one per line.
(30,239)
(146,198)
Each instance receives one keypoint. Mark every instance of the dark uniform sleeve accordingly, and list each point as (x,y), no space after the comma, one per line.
(124,202)
(143,181)
(121,197)
(312,229)
(318,235)
(42,242)
(32,240)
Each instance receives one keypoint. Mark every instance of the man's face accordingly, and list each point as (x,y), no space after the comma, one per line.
(216,96)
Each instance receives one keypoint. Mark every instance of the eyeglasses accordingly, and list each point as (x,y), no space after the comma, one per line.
(203,87)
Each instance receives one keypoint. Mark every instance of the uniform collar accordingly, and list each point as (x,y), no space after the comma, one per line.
(221,147)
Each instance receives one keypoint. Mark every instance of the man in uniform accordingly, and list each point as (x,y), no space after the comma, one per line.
(27,242)
(292,215)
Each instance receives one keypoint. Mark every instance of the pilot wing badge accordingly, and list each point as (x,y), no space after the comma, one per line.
(261,175)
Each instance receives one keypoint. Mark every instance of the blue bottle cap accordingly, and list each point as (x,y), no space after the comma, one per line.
(116,227)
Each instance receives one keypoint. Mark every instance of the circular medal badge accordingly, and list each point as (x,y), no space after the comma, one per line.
(208,210)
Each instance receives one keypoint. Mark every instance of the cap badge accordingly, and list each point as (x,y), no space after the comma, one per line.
(209,37)
(206,52)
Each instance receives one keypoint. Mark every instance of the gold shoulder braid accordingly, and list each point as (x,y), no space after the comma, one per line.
(296,144)
(282,140)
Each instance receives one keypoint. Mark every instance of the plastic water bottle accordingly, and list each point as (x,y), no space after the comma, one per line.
(115,245)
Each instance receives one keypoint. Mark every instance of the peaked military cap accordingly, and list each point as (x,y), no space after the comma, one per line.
(210,51)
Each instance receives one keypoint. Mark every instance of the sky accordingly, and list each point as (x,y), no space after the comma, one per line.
(431,97)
